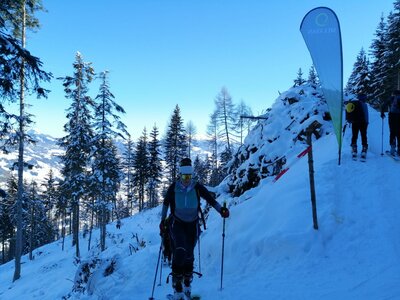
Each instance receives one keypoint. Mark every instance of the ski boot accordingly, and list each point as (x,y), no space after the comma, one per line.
(354,152)
(187,289)
(177,286)
(364,153)
(392,150)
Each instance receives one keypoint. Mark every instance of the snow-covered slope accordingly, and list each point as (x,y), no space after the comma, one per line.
(271,248)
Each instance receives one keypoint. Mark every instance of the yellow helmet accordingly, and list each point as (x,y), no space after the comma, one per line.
(350,107)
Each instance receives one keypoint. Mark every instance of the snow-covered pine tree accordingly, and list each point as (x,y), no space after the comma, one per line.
(106,179)
(155,168)
(38,227)
(127,163)
(141,168)
(6,224)
(226,156)
(79,140)
(299,79)
(201,169)
(6,230)
(175,144)
(21,73)
(378,65)
(393,48)
(359,80)
(49,196)
(106,170)
(61,213)
(313,77)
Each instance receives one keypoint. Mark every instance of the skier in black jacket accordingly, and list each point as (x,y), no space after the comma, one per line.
(393,106)
(183,199)
(357,115)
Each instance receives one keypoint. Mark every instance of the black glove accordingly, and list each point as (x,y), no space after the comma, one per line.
(224,212)
(163,227)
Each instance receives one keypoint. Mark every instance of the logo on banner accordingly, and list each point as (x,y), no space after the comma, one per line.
(321,19)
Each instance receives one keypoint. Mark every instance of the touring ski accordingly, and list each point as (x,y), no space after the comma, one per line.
(195,297)
(394,157)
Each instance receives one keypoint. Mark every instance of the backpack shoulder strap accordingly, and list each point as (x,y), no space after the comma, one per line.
(199,207)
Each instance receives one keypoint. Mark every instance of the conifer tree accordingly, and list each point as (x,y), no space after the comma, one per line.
(155,168)
(49,194)
(39,226)
(78,141)
(359,80)
(6,225)
(299,79)
(141,168)
(127,166)
(201,169)
(107,174)
(393,48)
(22,73)
(378,65)
(60,213)
(313,77)
(175,145)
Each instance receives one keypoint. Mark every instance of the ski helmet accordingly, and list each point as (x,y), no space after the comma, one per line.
(350,107)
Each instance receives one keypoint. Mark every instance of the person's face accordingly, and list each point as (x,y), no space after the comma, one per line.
(186,178)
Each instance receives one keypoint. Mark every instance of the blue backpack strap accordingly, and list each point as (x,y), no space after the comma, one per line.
(200,210)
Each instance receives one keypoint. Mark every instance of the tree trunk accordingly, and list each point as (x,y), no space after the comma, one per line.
(75,228)
(91,226)
(21,133)
(3,247)
(64,222)
(32,233)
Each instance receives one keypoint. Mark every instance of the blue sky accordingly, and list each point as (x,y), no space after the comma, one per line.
(166,52)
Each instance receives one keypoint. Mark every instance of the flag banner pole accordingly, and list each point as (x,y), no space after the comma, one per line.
(321,32)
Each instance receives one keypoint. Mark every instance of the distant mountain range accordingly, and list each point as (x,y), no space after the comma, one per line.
(43,156)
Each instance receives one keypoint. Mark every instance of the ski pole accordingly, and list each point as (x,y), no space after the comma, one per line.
(155,276)
(223,246)
(198,243)
(382,139)
(159,284)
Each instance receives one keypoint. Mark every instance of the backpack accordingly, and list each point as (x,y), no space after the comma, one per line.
(200,211)
(167,239)
(354,112)
(397,102)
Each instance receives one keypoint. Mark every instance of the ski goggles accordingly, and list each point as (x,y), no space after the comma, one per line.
(186,177)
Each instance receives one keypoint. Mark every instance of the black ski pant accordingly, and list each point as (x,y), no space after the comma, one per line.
(362,129)
(184,237)
(394,127)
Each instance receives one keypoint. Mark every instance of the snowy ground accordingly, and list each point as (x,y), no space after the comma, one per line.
(271,248)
